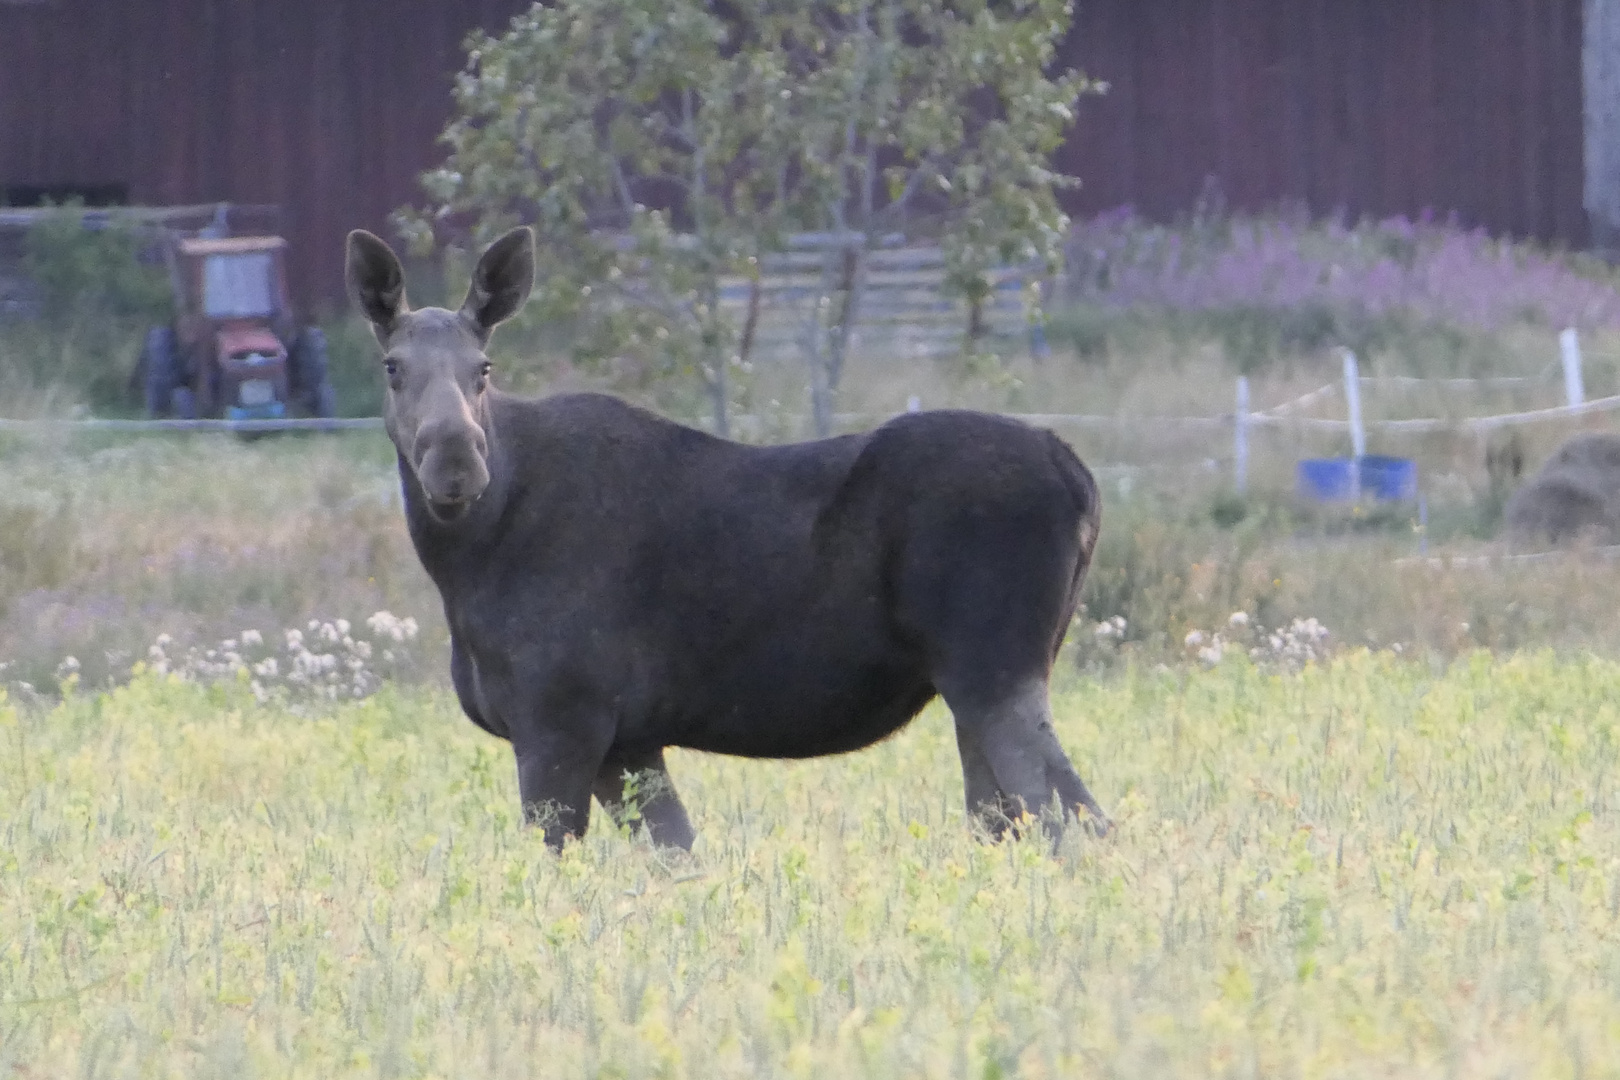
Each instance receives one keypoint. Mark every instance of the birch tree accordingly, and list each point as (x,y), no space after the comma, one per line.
(637,136)
(700,135)
(933,117)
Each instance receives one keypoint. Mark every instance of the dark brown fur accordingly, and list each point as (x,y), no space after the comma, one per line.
(616,583)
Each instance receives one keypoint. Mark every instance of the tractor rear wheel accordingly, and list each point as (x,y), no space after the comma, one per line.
(164,369)
(311,383)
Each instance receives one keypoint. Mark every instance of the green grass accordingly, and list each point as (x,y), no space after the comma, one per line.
(1373,868)
(1385,865)
(105,543)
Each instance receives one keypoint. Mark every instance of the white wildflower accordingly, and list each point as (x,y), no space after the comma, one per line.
(1238,618)
(1193,639)
(251,637)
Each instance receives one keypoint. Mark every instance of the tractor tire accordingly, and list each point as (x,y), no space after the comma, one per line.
(163,369)
(312,384)
(325,400)
(183,403)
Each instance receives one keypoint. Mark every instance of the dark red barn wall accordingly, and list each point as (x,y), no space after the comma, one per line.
(1366,106)
(331,107)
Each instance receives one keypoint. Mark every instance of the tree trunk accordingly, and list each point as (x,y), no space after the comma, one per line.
(715,360)
(851,284)
(821,402)
(719,392)
(1600,76)
(745,346)
(830,330)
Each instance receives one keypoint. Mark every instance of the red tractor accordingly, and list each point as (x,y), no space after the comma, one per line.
(234,350)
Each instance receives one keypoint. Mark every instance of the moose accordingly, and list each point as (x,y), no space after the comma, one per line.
(616,583)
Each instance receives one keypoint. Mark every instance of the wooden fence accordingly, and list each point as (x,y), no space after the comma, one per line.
(905,309)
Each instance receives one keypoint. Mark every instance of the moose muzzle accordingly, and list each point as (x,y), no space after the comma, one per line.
(451,460)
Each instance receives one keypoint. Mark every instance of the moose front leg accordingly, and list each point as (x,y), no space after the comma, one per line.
(659,805)
(554,782)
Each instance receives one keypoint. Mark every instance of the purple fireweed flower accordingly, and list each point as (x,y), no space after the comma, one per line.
(1427,269)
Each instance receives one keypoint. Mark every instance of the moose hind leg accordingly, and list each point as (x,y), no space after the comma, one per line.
(987,804)
(659,805)
(1012,745)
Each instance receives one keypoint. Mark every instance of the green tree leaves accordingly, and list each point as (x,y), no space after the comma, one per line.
(661,148)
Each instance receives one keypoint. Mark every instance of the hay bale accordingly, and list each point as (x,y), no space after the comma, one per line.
(1574,498)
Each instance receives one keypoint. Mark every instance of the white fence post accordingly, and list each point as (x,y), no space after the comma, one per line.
(1569,343)
(1358,433)
(1240,438)
(1352,395)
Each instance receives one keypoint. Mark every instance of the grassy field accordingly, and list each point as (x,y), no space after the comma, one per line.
(1332,862)
(1372,868)
(108,543)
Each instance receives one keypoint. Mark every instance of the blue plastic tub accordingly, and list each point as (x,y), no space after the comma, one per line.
(1326,479)
(1387,479)
(1391,479)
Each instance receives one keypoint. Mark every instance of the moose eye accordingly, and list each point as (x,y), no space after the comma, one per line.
(391,366)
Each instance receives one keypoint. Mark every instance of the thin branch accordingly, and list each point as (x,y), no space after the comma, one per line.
(622,185)
(667,130)
(868,194)
(920,174)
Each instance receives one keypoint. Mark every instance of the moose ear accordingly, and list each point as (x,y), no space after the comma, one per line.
(376,282)
(501,282)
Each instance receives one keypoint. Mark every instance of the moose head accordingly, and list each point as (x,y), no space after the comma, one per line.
(436,409)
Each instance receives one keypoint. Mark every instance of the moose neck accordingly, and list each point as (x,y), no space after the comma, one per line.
(444,545)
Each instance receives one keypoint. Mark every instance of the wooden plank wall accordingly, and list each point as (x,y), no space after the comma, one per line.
(1367,106)
(331,107)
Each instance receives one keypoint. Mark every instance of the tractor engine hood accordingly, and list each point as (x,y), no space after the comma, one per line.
(236,340)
